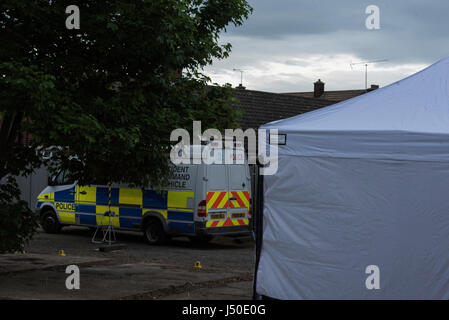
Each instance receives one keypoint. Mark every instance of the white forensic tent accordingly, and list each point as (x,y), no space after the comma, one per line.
(362,182)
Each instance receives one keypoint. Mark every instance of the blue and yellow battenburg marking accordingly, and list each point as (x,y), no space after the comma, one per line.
(86,205)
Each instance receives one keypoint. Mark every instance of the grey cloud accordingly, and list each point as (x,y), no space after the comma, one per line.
(286,17)
(276,19)
(298,62)
(290,32)
(405,24)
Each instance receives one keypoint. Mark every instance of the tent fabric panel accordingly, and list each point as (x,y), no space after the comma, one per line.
(374,145)
(327,219)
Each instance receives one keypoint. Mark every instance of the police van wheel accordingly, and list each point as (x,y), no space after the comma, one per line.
(49,222)
(154,233)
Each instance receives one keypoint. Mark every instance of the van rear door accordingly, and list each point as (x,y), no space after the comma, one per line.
(216,195)
(239,184)
(227,195)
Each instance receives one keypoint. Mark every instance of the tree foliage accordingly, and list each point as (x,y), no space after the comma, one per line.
(109,94)
(17,222)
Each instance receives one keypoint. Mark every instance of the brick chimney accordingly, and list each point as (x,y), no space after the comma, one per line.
(318,89)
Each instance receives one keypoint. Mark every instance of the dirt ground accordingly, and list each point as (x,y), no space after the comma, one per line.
(139,271)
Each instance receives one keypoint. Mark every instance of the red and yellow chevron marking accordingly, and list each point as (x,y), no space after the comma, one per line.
(220,200)
(217,200)
(227,223)
(242,199)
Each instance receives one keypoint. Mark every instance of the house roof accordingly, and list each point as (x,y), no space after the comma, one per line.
(335,96)
(262,107)
(418,104)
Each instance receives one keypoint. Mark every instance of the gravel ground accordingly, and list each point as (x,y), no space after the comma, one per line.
(221,253)
(139,271)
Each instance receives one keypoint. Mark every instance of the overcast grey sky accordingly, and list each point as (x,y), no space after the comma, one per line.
(286,45)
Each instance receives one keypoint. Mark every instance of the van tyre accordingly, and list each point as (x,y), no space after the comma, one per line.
(154,232)
(49,222)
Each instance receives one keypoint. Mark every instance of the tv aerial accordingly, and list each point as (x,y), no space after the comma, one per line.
(366,63)
(241,75)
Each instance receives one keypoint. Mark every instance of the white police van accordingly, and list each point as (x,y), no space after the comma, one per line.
(200,201)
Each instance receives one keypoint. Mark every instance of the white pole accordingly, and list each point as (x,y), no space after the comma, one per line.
(366,77)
